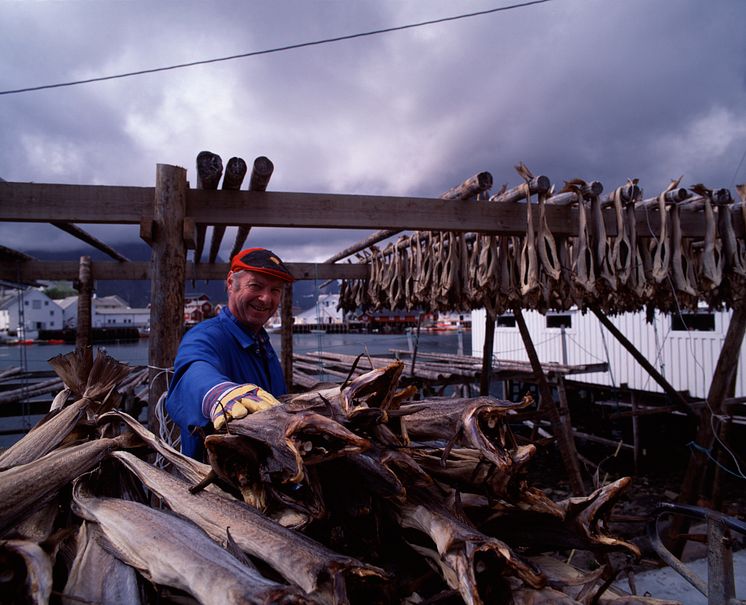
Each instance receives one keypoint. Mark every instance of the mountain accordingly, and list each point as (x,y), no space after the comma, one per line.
(137,293)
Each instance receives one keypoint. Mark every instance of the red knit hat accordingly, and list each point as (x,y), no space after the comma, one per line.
(261,260)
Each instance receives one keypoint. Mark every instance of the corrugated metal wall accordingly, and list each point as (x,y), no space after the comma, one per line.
(686,358)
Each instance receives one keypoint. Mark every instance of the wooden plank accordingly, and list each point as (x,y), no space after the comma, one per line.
(137,270)
(168,267)
(43,202)
(32,202)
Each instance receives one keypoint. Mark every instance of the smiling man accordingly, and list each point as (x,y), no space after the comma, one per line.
(225,367)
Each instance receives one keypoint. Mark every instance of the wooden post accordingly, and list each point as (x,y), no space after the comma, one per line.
(209,171)
(167,272)
(261,172)
(721,381)
(235,171)
(85,293)
(676,397)
(487,352)
(286,311)
(635,431)
(562,430)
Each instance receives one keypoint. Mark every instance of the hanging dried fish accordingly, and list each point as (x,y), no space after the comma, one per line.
(662,255)
(546,244)
(424,277)
(622,253)
(584,277)
(528,264)
(711,268)
(681,254)
(603,252)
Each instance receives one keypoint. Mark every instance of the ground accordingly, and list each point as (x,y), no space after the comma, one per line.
(658,479)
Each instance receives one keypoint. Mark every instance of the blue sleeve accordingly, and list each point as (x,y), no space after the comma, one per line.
(216,351)
(198,367)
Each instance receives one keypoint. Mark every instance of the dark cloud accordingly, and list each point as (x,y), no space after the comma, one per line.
(592,88)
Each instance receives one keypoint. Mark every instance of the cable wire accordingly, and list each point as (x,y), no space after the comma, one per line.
(277,49)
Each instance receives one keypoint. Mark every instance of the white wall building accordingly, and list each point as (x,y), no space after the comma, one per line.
(25,312)
(106,312)
(686,357)
(323,312)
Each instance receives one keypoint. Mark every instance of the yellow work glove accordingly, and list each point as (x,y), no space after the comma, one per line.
(240,401)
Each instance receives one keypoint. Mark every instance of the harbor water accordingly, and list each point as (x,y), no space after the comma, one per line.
(35,357)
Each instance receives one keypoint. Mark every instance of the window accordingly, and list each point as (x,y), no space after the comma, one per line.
(505,321)
(36,304)
(51,313)
(46,303)
(701,322)
(559,321)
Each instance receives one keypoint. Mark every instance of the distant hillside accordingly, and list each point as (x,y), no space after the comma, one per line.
(137,293)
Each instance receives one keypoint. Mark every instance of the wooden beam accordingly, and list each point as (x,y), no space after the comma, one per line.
(469,189)
(136,270)
(32,202)
(675,396)
(43,203)
(168,267)
(86,237)
(561,424)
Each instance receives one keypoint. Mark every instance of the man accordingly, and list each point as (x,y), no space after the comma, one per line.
(225,367)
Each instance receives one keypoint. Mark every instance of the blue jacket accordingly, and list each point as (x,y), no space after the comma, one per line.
(217,350)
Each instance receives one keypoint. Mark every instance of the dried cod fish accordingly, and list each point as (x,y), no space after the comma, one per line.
(580,523)
(26,573)
(470,561)
(300,560)
(26,487)
(476,423)
(103,377)
(174,552)
(96,575)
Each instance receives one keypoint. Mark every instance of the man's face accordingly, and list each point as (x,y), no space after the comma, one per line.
(253,297)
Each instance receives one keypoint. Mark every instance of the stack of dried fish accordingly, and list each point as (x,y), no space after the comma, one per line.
(346,494)
(608,262)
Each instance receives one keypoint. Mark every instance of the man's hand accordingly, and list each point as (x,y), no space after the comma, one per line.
(240,401)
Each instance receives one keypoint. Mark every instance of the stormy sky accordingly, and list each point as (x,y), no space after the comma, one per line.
(597,89)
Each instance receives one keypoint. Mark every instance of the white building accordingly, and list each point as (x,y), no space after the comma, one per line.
(685,356)
(24,312)
(323,312)
(107,312)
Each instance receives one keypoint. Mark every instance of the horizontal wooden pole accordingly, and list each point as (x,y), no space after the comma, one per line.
(32,202)
(137,270)
(45,203)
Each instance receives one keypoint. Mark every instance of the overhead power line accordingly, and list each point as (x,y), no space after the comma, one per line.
(278,49)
